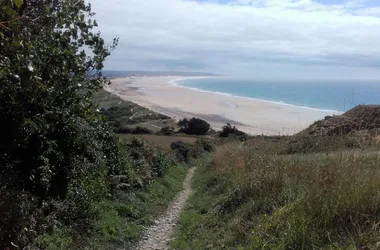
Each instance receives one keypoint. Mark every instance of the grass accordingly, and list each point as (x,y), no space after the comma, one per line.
(306,144)
(250,199)
(123,218)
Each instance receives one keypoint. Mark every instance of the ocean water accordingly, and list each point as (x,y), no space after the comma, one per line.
(326,95)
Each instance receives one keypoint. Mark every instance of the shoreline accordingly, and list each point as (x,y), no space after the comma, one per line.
(173,82)
(253,116)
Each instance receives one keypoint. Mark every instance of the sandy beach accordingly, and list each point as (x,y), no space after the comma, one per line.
(250,115)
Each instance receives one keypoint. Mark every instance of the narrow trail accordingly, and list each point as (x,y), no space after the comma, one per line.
(158,236)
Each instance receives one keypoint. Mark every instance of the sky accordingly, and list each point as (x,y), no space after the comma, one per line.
(266,39)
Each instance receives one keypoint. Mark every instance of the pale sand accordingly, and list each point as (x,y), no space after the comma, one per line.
(250,115)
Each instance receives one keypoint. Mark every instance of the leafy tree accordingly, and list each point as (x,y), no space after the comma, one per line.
(183,123)
(194,126)
(53,142)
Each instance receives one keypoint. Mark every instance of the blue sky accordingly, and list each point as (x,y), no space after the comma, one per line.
(327,39)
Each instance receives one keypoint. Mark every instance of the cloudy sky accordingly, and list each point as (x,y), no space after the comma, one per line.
(329,39)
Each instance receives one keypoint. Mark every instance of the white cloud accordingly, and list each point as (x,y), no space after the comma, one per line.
(244,37)
(373,11)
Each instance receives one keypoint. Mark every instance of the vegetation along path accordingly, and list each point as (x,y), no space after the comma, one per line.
(158,236)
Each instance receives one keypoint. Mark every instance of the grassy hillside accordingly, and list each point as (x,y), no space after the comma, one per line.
(363,118)
(252,197)
(122,113)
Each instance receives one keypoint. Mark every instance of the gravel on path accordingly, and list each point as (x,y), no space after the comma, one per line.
(158,236)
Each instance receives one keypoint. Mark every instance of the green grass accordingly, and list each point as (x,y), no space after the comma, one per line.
(122,219)
(199,227)
(247,199)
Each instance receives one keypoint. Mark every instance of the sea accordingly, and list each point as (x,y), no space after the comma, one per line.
(331,95)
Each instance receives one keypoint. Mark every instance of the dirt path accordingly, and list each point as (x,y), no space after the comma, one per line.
(158,236)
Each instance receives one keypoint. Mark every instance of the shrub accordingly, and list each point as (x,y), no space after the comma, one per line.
(196,150)
(160,163)
(167,131)
(229,131)
(205,145)
(181,151)
(142,130)
(194,126)
(136,131)
(148,162)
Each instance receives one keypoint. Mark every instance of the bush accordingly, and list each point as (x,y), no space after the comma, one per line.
(148,162)
(167,131)
(194,126)
(142,130)
(205,145)
(135,131)
(160,163)
(229,131)
(181,151)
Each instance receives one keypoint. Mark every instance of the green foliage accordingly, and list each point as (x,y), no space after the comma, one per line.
(184,152)
(60,240)
(181,151)
(123,218)
(138,191)
(55,146)
(194,126)
(148,162)
(63,174)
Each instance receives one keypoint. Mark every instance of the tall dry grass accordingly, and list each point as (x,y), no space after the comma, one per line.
(301,202)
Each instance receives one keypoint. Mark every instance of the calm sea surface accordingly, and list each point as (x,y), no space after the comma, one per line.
(328,95)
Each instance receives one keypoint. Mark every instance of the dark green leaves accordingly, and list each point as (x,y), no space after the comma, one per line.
(53,142)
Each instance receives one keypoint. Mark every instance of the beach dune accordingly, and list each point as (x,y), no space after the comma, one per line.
(253,116)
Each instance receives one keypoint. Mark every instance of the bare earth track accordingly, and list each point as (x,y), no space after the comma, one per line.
(158,236)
